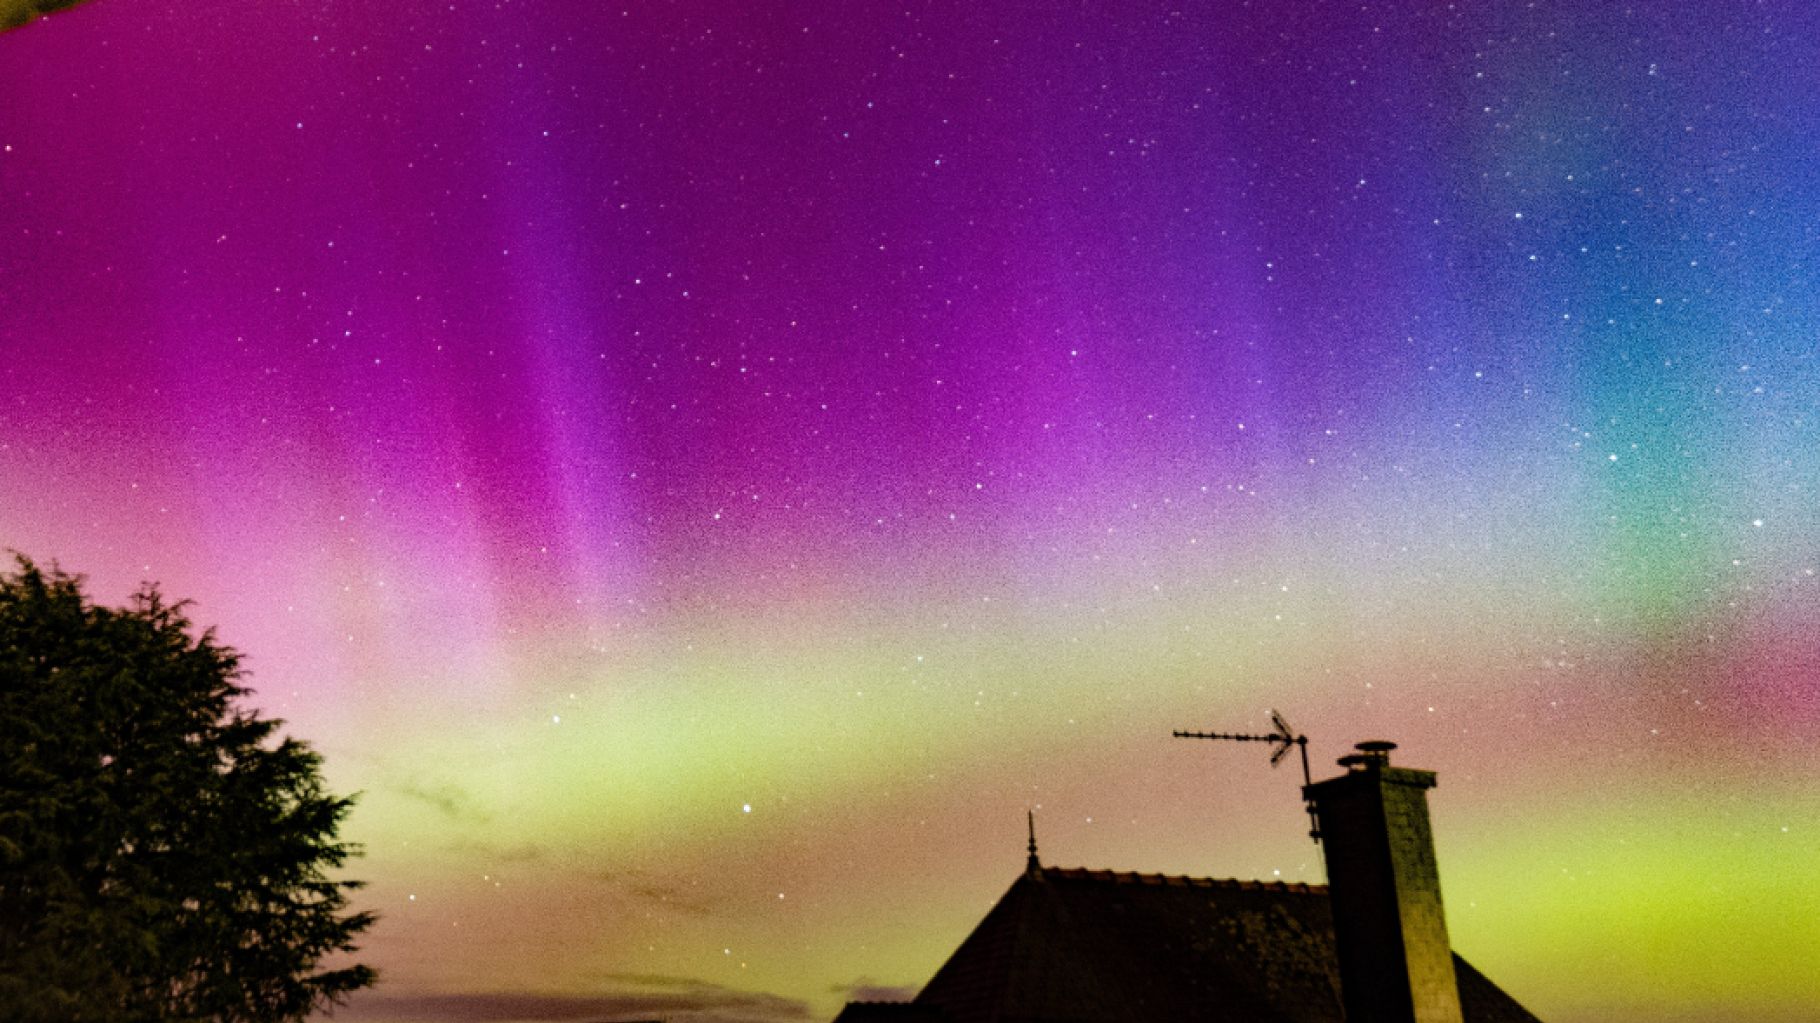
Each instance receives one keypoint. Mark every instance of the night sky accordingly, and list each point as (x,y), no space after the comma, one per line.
(704,470)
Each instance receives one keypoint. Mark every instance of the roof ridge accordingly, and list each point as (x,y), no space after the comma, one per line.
(1181,880)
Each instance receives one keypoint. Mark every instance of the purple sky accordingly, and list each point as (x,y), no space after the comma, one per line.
(704,470)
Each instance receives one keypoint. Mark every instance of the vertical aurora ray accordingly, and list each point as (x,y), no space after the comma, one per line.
(703,471)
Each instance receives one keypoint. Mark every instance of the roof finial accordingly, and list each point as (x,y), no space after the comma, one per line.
(1033,866)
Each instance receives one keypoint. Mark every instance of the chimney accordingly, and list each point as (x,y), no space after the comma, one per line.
(1396,965)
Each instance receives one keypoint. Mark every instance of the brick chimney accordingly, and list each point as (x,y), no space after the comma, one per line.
(1396,965)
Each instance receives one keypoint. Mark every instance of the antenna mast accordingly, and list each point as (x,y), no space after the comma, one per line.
(1283,738)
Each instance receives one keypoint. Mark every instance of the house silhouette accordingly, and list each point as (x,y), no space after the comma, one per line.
(1098,946)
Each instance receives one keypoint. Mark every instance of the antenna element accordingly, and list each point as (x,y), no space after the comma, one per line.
(1282,738)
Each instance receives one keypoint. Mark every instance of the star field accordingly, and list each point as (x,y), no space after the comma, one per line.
(702,471)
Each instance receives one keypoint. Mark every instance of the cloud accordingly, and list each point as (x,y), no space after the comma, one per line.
(673,897)
(689,899)
(452,801)
(499,852)
(631,997)
(865,989)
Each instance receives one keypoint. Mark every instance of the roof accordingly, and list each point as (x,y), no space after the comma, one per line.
(890,1012)
(1097,946)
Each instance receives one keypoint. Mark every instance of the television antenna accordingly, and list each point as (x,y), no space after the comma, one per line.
(1283,738)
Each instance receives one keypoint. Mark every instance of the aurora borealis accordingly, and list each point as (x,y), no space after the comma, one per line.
(704,470)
